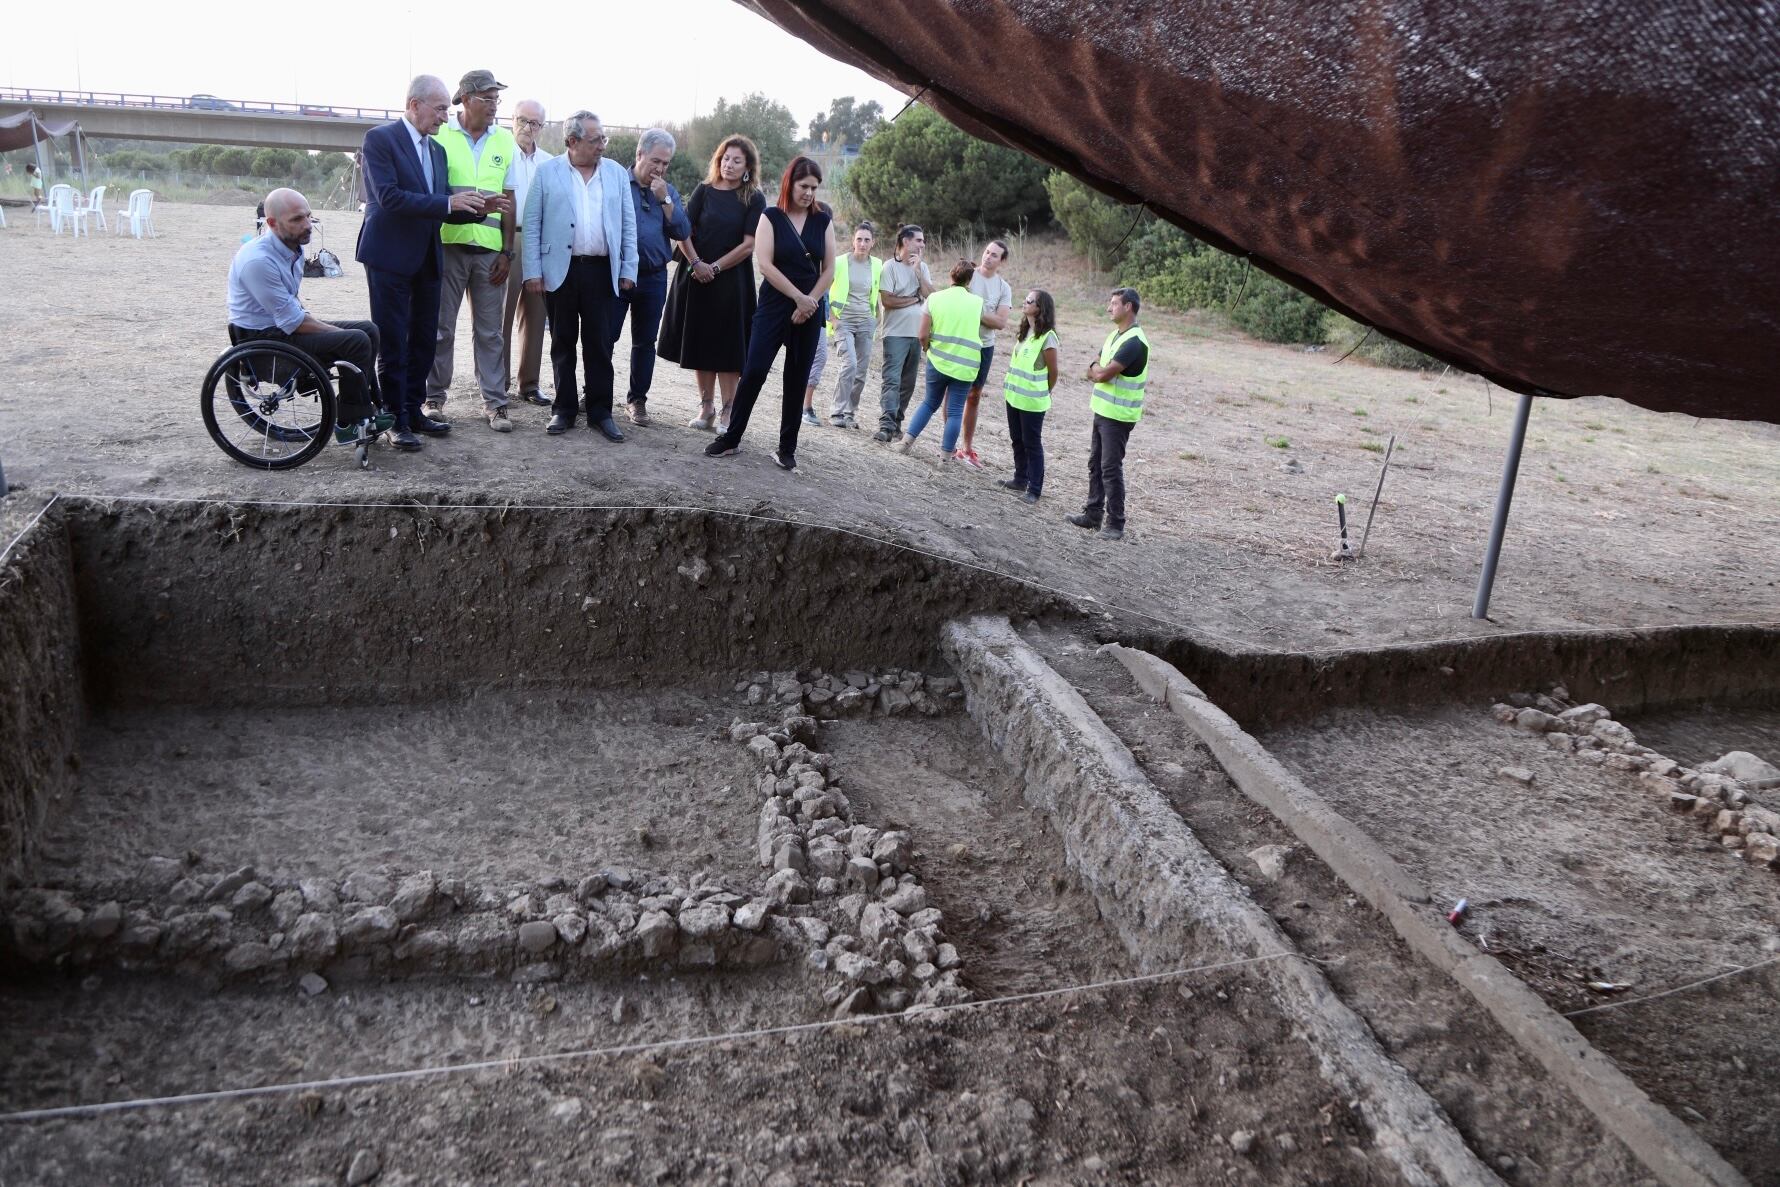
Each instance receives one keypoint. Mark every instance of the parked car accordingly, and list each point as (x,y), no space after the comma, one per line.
(325,111)
(209,103)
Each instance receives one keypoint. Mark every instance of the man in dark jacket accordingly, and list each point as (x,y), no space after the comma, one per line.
(408,198)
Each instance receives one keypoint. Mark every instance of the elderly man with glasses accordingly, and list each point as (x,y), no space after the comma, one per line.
(580,253)
(479,154)
(528,121)
(661,222)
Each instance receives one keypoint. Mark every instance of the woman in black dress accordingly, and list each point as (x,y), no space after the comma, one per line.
(711,304)
(794,246)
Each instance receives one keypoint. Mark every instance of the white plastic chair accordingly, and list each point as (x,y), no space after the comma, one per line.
(65,207)
(49,208)
(93,207)
(138,212)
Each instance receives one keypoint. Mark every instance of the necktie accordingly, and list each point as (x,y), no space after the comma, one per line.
(426,161)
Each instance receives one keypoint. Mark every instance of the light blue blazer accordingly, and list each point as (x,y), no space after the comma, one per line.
(551,206)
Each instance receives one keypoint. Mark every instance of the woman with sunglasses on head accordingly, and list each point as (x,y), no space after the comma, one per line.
(794,248)
(1031,374)
(711,303)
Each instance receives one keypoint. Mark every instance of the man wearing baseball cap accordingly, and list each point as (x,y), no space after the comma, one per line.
(479,156)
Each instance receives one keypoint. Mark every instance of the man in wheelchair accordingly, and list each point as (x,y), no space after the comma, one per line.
(263,303)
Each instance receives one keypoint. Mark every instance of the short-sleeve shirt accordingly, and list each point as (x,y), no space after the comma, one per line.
(900,280)
(857,311)
(995,293)
(1134,355)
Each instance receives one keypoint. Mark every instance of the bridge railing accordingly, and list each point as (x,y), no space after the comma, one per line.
(209,104)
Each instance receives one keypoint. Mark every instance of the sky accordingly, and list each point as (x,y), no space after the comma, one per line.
(663,60)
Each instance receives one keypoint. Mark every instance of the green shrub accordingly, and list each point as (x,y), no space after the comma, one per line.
(922,169)
(1097,226)
(1344,333)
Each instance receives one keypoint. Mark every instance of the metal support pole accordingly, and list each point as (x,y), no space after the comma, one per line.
(1504,496)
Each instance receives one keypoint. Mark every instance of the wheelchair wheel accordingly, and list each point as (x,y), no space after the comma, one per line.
(268,405)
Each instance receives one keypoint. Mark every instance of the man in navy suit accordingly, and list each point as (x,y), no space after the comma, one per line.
(409,197)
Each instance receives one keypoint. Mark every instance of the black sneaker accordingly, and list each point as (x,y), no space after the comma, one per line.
(882,435)
(1010,483)
(785,461)
(1083,521)
(1030,496)
(721,448)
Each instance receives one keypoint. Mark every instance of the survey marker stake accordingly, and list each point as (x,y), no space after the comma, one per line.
(1373,510)
(1342,551)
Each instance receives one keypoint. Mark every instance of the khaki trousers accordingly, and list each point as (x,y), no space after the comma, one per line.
(468,271)
(530,310)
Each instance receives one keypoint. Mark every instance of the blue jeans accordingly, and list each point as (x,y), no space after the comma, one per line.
(953,392)
(644,303)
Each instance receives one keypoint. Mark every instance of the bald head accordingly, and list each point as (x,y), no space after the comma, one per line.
(288,217)
(429,103)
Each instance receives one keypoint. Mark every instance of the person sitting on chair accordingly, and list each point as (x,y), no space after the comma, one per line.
(263,303)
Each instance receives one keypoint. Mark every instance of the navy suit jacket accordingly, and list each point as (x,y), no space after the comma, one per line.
(402,216)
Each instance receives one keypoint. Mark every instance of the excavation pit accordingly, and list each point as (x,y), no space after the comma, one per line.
(302,793)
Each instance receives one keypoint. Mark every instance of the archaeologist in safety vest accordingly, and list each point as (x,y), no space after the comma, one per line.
(951,336)
(1119,379)
(479,156)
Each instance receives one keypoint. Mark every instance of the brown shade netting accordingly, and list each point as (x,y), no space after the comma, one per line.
(1570,199)
(16,130)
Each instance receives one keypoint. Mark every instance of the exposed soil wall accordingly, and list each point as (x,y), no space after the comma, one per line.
(1633,670)
(199,603)
(40,694)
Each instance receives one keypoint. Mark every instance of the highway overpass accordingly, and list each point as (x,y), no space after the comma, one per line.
(206,119)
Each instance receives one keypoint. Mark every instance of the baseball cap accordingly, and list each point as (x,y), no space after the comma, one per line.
(476,80)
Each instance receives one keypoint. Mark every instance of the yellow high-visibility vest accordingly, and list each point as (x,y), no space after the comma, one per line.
(955,347)
(1121,397)
(464,172)
(1028,383)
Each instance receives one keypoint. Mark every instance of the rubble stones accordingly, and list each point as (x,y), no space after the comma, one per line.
(314,938)
(287,906)
(366,886)
(105,921)
(787,886)
(1745,768)
(1584,716)
(413,896)
(246,958)
(656,932)
(907,899)
(312,984)
(373,925)
(1518,775)
(226,886)
(1535,720)
(537,936)
(1270,860)
(704,922)
(250,897)
(864,970)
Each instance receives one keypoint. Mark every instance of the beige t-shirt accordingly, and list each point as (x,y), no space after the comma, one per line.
(899,279)
(995,293)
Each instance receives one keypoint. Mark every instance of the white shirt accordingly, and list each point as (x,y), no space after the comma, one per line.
(420,150)
(524,169)
(590,228)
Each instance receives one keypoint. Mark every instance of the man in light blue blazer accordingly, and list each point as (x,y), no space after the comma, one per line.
(580,251)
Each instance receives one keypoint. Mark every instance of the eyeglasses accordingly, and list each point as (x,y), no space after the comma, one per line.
(486,100)
(520,121)
(601,139)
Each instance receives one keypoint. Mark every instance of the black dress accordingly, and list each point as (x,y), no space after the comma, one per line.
(705,326)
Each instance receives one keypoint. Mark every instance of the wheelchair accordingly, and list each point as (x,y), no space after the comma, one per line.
(271,406)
